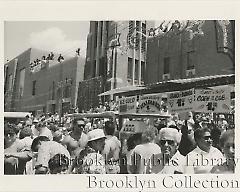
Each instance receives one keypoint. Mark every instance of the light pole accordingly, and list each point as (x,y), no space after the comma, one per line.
(60,59)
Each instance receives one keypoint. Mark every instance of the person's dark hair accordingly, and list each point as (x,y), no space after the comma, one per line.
(36,142)
(59,160)
(10,128)
(198,133)
(109,128)
(52,127)
(131,142)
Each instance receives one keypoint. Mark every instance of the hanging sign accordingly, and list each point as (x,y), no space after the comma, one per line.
(216,100)
(127,105)
(180,101)
(151,104)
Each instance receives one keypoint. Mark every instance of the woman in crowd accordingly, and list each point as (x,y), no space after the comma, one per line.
(228,148)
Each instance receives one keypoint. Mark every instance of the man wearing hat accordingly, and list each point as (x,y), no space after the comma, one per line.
(76,140)
(42,130)
(169,161)
(90,160)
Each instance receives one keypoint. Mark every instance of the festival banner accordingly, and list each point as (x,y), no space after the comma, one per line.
(151,104)
(180,101)
(212,100)
(127,105)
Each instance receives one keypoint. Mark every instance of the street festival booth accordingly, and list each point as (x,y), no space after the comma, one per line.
(209,96)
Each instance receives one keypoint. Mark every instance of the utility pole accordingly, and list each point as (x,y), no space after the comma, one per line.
(60,58)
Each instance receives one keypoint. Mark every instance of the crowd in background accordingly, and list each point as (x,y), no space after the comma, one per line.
(50,144)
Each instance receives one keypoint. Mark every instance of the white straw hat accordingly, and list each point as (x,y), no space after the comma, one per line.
(95,134)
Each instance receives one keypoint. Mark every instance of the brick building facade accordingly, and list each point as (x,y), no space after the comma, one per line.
(44,87)
(179,56)
(116,52)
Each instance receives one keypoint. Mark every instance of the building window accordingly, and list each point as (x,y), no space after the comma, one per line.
(138,28)
(142,71)
(53,90)
(190,60)
(166,65)
(94,68)
(130,69)
(34,87)
(10,82)
(136,75)
(101,32)
(21,82)
(130,32)
(67,91)
(107,29)
(143,45)
(96,34)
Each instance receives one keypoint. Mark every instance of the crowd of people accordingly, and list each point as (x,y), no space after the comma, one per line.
(81,146)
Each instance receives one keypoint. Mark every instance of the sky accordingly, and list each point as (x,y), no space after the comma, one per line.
(57,36)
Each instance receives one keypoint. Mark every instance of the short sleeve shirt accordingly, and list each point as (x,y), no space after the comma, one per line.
(199,161)
(11,163)
(48,150)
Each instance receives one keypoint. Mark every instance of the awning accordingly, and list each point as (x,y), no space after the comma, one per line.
(106,114)
(122,90)
(16,114)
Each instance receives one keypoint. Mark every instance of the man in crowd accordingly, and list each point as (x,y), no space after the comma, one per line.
(76,140)
(169,161)
(90,160)
(58,164)
(40,129)
(228,147)
(46,150)
(112,148)
(204,156)
(16,154)
(222,123)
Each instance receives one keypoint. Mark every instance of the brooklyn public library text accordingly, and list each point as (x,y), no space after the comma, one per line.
(168,182)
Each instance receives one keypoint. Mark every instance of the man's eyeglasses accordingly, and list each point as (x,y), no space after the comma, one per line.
(206,138)
(170,142)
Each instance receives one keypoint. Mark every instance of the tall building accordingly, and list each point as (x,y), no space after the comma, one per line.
(37,82)
(205,49)
(116,50)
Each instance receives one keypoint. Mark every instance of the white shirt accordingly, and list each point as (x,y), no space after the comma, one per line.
(48,150)
(112,147)
(46,132)
(27,142)
(144,152)
(199,161)
(175,165)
